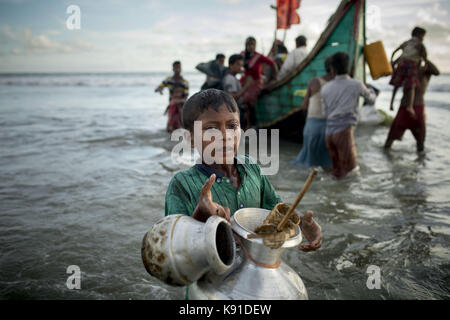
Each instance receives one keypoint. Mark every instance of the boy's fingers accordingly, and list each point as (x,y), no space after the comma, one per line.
(228,214)
(305,247)
(208,184)
(311,246)
(221,212)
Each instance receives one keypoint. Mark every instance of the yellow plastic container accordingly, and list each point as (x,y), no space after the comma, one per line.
(377,60)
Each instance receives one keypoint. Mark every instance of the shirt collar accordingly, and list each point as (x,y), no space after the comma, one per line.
(341,76)
(208,170)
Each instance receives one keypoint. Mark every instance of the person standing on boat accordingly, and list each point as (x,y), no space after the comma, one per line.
(278,53)
(314,151)
(175,79)
(233,86)
(294,58)
(253,64)
(405,120)
(340,98)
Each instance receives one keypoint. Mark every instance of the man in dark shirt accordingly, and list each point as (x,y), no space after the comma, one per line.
(214,70)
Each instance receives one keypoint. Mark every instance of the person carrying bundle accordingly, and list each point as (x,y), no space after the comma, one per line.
(404,120)
(407,67)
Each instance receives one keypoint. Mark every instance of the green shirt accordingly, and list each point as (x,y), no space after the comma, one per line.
(255,191)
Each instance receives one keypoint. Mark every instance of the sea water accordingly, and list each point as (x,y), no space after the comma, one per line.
(85,162)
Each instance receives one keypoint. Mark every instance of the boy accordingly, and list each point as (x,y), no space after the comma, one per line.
(404,120)
(406,72)
(175,80)
(223,187)
(340,98)
(175,107)
(233,86)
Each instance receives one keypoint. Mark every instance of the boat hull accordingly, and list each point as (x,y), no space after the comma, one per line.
(279,104)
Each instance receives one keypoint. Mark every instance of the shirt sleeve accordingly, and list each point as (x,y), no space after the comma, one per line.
(203,67)
(186,89)
(177,199)
(227,85)
(266,60)
(269,197)
(165,83)
(288,65)
(369,95)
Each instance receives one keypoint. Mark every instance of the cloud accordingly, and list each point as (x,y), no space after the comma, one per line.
(42,43)
(8,33)
(16,51)
(195,40)
(159,32)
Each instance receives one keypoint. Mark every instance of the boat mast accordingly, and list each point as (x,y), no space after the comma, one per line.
(364,40)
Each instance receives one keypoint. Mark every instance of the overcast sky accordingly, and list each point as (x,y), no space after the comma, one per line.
(147,35)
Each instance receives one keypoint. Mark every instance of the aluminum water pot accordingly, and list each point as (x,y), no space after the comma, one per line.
(179,250)
(258,271)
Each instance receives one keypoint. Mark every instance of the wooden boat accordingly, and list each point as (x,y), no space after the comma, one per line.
(278,106)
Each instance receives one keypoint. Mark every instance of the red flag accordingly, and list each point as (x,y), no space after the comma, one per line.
(286,14)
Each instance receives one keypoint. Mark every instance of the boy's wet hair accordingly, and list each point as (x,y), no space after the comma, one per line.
(203,100)
(235,57)
(340,62)
(418,31)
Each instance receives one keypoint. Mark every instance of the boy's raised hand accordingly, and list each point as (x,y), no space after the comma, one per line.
(206,207)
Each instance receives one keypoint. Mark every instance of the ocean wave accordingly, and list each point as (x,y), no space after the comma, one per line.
(90,80)
(437,84)
(21,82)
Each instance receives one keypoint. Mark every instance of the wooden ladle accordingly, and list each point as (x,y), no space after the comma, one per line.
(292,208)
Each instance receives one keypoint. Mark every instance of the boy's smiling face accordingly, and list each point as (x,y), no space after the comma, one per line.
(224,124)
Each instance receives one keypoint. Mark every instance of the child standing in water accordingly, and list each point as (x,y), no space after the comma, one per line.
(229,182)
(175,107)
(175,79)
(406,72)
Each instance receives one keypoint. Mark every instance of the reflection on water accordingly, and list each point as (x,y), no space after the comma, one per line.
(83,173)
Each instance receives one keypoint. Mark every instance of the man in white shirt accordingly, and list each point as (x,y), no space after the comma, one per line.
(294,58)
(340,100)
